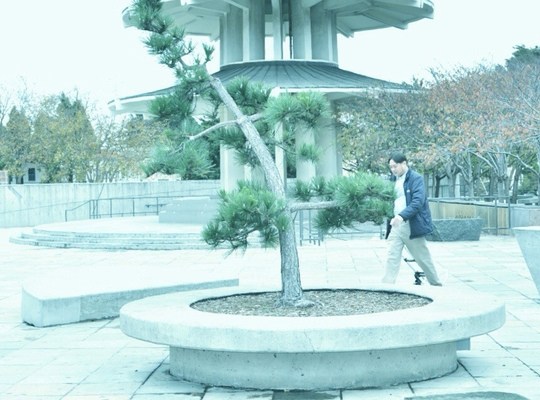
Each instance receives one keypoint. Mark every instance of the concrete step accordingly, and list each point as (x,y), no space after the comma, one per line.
(109,245)
(68,236)
(145,233)
(111,234)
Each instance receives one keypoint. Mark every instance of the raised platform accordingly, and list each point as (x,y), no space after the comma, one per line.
(92,293)
(124,233)
(138,233)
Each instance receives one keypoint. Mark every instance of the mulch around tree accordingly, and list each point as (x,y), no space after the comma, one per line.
(336,302)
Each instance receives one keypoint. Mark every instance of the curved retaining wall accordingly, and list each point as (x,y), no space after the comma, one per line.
(312,353)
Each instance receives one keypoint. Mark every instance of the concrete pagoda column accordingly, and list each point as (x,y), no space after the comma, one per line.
(329,164)
(323,34)
(231,36)
(300,27)
(254,24)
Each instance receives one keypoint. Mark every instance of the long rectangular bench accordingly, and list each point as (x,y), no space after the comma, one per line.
(92,293)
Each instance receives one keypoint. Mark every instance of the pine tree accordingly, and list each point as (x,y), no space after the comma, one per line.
(254,207)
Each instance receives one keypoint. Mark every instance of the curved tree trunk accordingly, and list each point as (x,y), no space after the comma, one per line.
(291,292)
(291,286)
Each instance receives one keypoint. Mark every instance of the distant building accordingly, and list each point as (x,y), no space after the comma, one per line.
(31,175)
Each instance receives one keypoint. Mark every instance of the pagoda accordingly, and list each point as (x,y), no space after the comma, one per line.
(290,46)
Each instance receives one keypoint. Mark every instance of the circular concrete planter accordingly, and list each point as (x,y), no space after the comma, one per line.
(529,242)
(312,353)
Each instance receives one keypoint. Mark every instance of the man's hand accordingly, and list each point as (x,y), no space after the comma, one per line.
(396,220)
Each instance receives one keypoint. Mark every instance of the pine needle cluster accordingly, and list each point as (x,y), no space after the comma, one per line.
(250,208)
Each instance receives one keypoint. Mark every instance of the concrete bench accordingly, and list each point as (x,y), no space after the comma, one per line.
(91,293)
(454,229)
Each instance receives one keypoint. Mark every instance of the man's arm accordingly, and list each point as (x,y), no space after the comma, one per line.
(417,194)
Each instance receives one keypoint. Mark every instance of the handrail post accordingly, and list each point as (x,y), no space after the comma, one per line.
(497,215)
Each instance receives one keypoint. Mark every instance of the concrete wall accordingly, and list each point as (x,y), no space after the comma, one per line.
(525,216)
(30,205)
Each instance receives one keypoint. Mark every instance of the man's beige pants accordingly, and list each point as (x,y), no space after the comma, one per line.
(399,237)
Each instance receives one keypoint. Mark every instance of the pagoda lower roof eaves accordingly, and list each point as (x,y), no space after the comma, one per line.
(284,76)
(296,75)
(302,75)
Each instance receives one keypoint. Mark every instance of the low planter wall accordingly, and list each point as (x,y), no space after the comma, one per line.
(454,229)
(313,353)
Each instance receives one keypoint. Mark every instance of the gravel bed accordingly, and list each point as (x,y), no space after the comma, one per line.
(327,303)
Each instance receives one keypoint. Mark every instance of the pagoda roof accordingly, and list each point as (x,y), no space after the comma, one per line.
(302,75)
(283,75)
(295,75)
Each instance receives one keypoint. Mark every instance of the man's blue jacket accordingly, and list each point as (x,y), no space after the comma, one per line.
(417,211)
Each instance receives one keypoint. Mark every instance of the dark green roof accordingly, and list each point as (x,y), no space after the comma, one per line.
(300,74)
(295,75)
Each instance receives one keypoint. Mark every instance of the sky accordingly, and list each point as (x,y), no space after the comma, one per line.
(81,46)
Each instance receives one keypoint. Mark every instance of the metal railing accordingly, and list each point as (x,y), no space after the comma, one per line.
(119,207)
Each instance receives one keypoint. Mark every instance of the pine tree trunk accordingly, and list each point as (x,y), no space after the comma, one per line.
(291,292)
(291,286)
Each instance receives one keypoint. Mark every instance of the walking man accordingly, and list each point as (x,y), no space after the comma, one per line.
(411,222)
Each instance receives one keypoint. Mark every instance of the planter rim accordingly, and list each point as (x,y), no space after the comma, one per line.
(169,319)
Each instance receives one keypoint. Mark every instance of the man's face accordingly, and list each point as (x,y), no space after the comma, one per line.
(397,169)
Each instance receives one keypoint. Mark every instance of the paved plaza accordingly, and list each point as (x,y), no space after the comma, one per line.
(95,360)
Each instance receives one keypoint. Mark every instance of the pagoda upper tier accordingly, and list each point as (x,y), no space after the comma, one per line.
(287,29)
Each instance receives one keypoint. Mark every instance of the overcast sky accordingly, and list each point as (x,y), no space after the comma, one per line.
(65,45)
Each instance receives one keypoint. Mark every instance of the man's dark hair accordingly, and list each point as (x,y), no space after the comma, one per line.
(397,158)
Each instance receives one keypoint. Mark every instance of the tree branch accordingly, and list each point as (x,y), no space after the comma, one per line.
(252,118)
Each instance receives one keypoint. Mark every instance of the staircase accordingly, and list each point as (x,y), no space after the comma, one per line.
(111,241)
(147,233)
(137,233)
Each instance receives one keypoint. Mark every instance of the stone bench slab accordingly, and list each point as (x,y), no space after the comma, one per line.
(91,293)
(456,229)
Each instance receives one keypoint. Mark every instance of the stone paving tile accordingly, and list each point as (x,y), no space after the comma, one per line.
(96,397)
(112,388)
(162,382)
(57,374)
(445,386)
(497,367)
(460,378)
(40,389)
(518,385)
(166,397)
(528,356)
(392,393)
(217,393)
(12,374)
(301,395)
